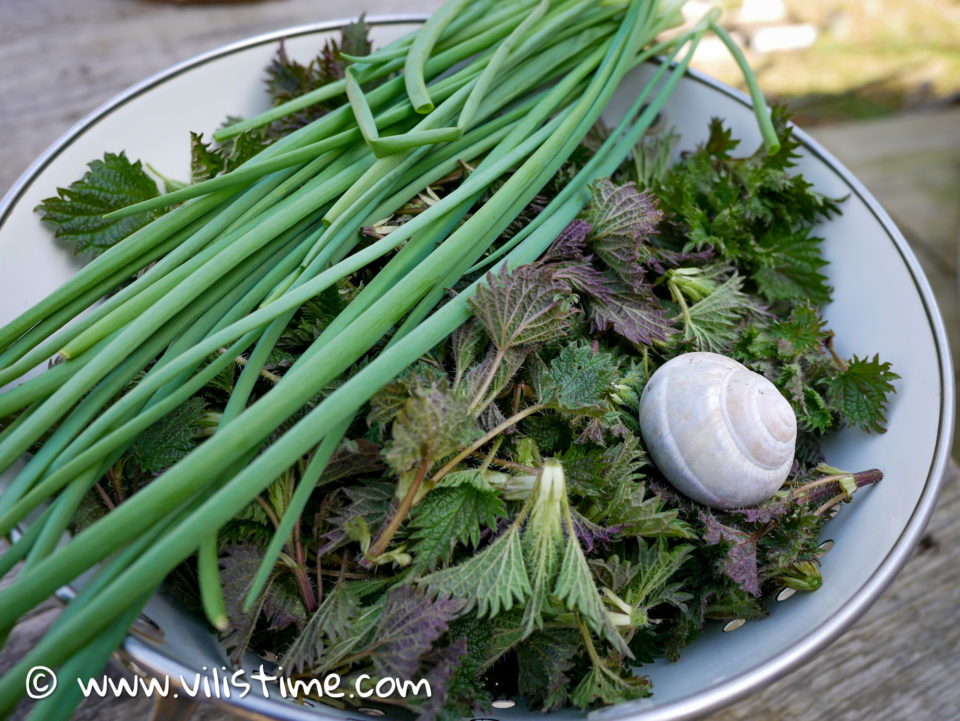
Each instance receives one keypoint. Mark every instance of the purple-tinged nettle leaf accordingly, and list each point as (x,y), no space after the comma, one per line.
(283,606)
(491,417)
(411,623)
(571,244)
(544,659)
(660,259)
(622,218)
(585,279)
(279,603)
(339,621)
(591,534)
(740,563)
(238,566)
(767,511)
(638,317)
(478,375)
(369,501)
(523,306)
(443,663)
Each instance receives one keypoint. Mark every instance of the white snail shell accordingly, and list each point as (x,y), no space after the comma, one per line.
(720,433)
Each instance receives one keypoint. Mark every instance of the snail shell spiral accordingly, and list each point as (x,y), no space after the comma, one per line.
(720,433)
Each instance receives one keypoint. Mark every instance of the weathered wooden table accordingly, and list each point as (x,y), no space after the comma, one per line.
(900,661)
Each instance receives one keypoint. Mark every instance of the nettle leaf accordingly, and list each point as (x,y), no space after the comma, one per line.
(543,546)
(170,438)
(789,267)
(389,400)
(802,333)
(640,514)
(651,157)
(579,380)
(507,365)
(368,502)
(720,141)
(90,510)
(522,307)
(586,470)
(613,572)
(448,516)
(277,603)
(606,473)
(636,316)
(657,563)
(607,687)
(712,323)
(586,279)
(571,244)
(238,566)
(283,605)
(544,659)
(591,534)
(432,424)
(622,217)
(355,38)
(740,563)
(465,344)
(206,159)
(491,581)
(76,212)
(211,159)
(452,681)
(329,624)
(814,414)
(577,591)
(471,477)
(306,326)
(859,392)
(288,79)
(410,624)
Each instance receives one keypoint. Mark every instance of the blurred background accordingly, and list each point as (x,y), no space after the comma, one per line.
(877,82)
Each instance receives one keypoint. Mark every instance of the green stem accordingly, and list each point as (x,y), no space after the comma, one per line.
(420,49)
(767,131)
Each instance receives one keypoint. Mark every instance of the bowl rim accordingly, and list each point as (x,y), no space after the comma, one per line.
(146,657)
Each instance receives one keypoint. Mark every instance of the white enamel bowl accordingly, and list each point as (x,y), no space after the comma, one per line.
(882,304)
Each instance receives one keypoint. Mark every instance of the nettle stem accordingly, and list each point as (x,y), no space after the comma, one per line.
(484,387)
(829,485)
(828,343)
(387,533)
(479,443)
